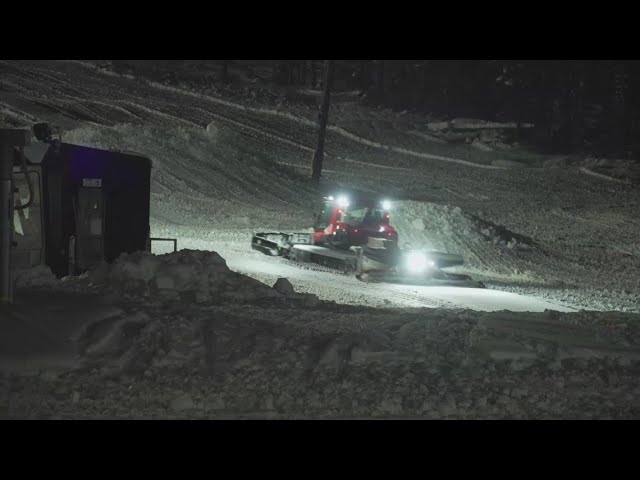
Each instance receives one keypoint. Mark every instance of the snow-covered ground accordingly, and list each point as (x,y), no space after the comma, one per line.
(213,188)
(542,233)
(183,336)
(224,168)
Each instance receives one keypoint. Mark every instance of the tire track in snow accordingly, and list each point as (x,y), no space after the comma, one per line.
(262,132)
(73,100)
(63,103)
(155,111)
(60,102)
(115,106)
(339,130)
(306,167)
(427,156)
(18,113)
(375,165)
(603,176)
(72,114)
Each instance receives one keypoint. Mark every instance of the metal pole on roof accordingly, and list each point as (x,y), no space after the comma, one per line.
(9,138)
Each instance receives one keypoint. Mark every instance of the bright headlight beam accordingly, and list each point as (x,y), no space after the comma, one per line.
(418,262)
(386,205)
(343,202)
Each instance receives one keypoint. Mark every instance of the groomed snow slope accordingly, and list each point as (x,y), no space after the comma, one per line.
(212,189)
(222,181)
(248,171)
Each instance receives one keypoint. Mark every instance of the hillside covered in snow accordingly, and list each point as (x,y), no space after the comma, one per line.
(554,239)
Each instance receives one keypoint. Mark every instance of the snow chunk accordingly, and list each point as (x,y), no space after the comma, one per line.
(481,146)
(284,286)
(438,126)
(194,275)
(213,130)
(182,402)
(39,276)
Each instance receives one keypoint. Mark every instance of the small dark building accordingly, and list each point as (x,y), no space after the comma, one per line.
(88,205)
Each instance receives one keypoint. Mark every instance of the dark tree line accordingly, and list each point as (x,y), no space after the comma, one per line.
(577,106)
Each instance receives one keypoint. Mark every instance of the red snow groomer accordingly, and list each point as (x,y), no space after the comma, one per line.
(343,225)
(353,234)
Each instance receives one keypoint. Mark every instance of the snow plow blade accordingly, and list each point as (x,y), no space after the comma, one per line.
(445,260)
(437,279)
(267,243)
(278,243)
(410,267)
(344,261)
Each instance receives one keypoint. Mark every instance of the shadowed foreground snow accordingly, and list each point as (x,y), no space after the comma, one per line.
(183,336)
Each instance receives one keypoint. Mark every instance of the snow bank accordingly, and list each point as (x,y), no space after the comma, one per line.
(491,252)
(474,124)
(442,227)
(553,338)
(339,362)
(192,276)
(39,276)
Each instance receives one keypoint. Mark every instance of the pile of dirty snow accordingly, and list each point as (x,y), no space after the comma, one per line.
(433,226)
(194,276)
(38,276)
(490,251)
(238,361)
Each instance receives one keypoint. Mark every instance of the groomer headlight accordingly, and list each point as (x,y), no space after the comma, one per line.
(343,202)
(386,205)
(418,262)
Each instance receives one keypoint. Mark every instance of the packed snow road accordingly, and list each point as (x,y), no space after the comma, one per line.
(346,289)
(349,290)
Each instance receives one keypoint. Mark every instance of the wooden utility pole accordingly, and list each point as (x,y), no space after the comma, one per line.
(224,76)
(380,80)
(324,115)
